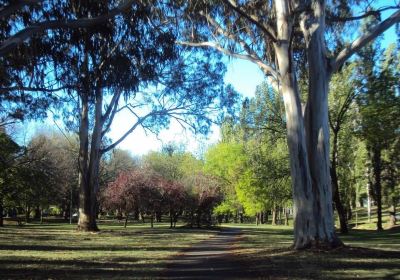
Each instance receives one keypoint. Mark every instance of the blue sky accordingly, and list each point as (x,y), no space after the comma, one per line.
(243,75)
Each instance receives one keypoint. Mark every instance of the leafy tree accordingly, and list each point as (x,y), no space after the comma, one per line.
(134,190)
(227,162)
(204,193)
(126,62)
(392,179)
(174,200)
(10,151)
(289,40)
(379,105)
(341,100)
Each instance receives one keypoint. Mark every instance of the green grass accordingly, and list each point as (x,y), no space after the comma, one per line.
(360,219)
(58,251)
(368,255)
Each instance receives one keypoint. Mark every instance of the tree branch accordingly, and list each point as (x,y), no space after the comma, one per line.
(267,29)
(122,138)
(363,40)
(36,89)
(9,44)
(268,70)
(375,13)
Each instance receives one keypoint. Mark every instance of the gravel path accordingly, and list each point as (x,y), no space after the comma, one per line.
(209,259)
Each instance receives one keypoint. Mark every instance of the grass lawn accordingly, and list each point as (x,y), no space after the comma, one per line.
(369,255)
(58,251)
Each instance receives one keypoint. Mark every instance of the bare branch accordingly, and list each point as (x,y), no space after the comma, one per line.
(268,70)
(113,104)
(374,13)
(363,40)
(122,138)
(267,29)
(9,44)
(232,36)
(36,89)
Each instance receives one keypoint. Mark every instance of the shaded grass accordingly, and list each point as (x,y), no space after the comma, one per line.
(368,255)
(58,251)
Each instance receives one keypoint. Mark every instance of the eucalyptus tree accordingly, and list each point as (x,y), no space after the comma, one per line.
(104,57)
(27,91)
(287,39)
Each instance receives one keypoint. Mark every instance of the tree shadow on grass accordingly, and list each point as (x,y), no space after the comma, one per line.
(105,248)
(341,263)
(119,267)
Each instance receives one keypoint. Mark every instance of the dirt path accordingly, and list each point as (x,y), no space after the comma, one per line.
(209,259)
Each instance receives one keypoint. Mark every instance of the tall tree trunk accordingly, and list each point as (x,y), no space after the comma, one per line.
(286,213)
(90,174)
(41,215)
(274,222)
(368,195)
(377,169)
(27,214)
(126,220)
(304,222)
(87,219)
(335,185)
(317,124)
(392,215)
(1,212)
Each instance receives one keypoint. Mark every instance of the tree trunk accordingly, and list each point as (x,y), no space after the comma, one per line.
(392,215)
(335,185)
(368,197)
(27,214)
(41,215)
(377,166)
(126,220)
(317,125)
(349,213)
(274,216)
(37,213)
(286,217)
(89,167)
(305,232)
(175,220)
(87,195)
(1,212)
(152,220)
(279,212)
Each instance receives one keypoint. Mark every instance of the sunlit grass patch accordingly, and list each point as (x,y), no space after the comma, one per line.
(59,251)
(370,255)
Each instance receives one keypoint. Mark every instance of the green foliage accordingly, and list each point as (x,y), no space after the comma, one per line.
(252,160)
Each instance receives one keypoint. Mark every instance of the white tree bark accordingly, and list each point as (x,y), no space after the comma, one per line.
(304,223)
(317,123)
